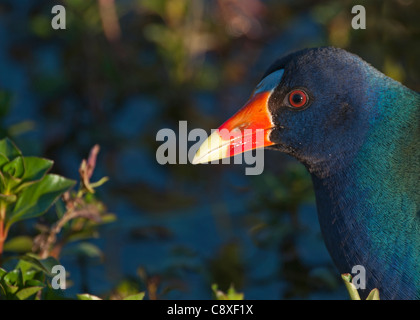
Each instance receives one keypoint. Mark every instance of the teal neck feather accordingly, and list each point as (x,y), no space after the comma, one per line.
(369,209)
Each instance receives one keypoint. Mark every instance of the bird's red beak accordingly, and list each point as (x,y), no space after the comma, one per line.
(248,129)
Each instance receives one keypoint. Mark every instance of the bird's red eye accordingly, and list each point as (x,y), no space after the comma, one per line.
(298,98)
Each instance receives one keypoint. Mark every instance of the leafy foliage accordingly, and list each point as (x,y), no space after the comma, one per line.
(28,191)
(86,296)
(231,293)
(351,288)
(18,285)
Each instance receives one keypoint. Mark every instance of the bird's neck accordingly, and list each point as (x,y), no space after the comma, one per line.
(368,207)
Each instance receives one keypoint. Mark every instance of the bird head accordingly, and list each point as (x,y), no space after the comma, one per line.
(308,104)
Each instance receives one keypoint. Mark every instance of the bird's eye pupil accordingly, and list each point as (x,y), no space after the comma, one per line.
(298,98)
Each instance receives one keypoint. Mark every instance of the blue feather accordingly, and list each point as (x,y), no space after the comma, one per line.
(360,140)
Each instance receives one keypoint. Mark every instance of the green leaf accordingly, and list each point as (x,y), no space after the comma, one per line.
(24,266)
(138,296)
(12,281)
(21,127)
(346,277)
(35,169)
(13,277)
(354,295)
(3,291)
(8,149)
(87,296)
(19,244)
(15,168)
(230,295)
(3,159)
(28,276)
(219,295)
(83,249)
(373,295)
(38,197)
(10,289)
(81,235)
(25,293)
(108,218)
(233,295)
(34,283)
(2,273)
(30,260)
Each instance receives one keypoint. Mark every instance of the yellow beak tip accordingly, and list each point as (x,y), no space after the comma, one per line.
(196,160)
(214,148)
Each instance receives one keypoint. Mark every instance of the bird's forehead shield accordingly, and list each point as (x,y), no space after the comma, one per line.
(248,129)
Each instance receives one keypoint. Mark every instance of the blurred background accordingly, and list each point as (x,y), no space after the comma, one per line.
(121,71)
